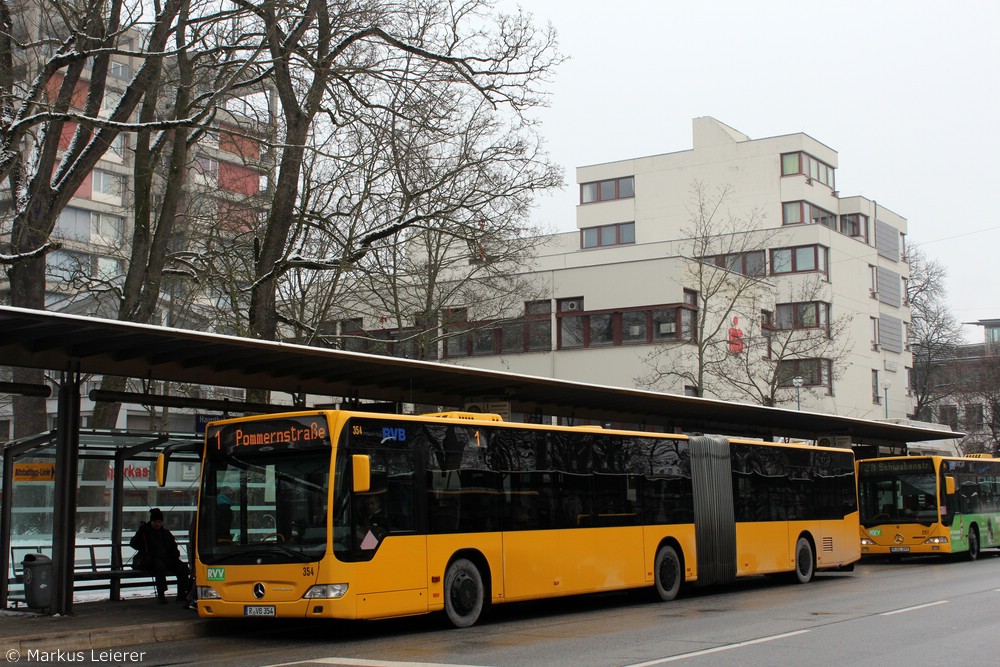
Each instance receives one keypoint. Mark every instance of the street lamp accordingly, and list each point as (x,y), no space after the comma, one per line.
(798,381)
(885,393)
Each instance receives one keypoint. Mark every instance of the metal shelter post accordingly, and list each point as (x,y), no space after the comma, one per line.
(64,512)
(5,517)
(118,504)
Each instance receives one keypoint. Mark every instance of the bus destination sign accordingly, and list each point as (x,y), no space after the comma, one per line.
(876,467)
(268,435)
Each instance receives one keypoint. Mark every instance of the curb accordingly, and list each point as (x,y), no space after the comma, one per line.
(105,638)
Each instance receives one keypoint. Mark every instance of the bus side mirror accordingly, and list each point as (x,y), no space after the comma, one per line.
(949,485)
(362,469)
(162,460)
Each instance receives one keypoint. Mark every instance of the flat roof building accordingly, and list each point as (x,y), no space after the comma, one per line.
(733,270)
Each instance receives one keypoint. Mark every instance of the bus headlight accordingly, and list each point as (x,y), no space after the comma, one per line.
(326,592)
(208,593)
(867,542)
(937,540)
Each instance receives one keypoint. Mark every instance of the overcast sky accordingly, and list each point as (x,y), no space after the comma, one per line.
(907,92)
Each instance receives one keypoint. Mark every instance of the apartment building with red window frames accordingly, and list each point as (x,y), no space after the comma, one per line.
(620,285)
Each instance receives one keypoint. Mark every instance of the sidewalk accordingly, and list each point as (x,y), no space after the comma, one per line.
(99,625)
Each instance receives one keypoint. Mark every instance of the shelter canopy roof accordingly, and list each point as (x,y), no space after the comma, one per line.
(60,342)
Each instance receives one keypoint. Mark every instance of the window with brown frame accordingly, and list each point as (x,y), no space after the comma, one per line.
(629,326)
(814,372)
(793,164)
(607,190)
(538,325)
(854,225)
(353,335)
(803,315)
(800,259)
(802,212)
(622,233)
(531,332)
(456,326)
(751,263)
(576,329)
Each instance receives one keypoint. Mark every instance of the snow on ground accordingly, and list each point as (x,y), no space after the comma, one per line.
(100,547)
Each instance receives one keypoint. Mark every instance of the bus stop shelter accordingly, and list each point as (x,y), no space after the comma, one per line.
(111,450)
(74,345)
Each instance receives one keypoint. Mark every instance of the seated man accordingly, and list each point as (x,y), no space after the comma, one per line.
(159,555)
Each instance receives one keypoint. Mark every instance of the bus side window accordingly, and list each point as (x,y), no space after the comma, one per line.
(399,491)
(968,497)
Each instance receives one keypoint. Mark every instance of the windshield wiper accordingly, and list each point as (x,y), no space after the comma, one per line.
(227,556)
(303,558)
(269,550)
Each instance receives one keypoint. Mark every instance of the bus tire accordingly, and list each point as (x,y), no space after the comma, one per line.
(805,560)
(667,573)
(464,595)
(973,552)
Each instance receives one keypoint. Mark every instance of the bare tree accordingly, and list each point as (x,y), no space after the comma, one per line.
(446,90)
(55,59)
(727,269)
(410,64)
(787,335)
(200,73)
(44,169)
(66,119)
(982,418)
(438,286)
(935,333)
(972,405)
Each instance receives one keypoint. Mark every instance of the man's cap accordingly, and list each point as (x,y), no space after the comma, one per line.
(155,514)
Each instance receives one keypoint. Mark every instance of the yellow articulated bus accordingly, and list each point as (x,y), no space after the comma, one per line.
(929,505)
(353,515)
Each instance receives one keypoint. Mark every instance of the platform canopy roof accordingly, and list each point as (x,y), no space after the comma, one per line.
(59,342)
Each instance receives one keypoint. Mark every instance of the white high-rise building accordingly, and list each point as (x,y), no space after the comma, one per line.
(812,300)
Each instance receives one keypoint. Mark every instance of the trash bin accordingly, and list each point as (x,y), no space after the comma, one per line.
(37,581)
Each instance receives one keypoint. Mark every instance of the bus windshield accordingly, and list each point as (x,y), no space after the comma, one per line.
(263,503)
(904,493)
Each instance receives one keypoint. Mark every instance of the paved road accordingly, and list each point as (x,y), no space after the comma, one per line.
(911,613)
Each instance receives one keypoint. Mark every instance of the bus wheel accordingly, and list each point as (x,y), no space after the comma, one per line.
(667,573)
(463,593)
(805,561)
(973,553)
